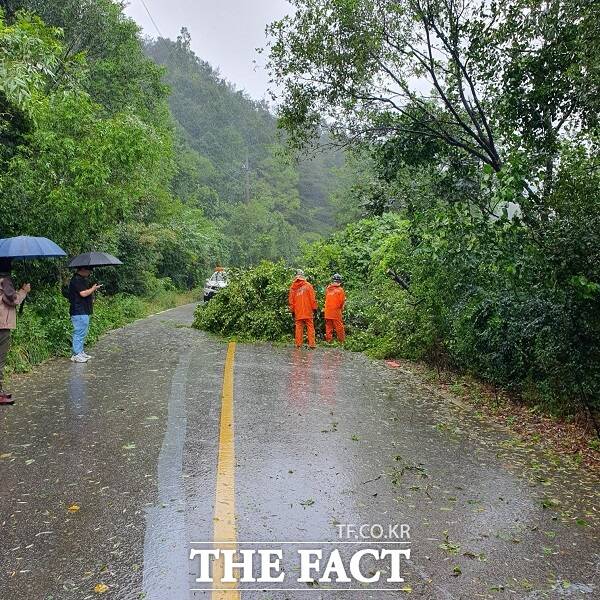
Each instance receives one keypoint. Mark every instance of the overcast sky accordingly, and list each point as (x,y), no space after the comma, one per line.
(224,32)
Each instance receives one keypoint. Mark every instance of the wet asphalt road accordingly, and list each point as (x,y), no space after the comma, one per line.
(108,476)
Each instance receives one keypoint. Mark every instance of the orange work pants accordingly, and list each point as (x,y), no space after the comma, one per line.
(310,332)
(338,326)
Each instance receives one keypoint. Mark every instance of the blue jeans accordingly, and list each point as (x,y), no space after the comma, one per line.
(81,326)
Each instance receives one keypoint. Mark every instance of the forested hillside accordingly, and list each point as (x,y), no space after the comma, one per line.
(231,161)
(145,151)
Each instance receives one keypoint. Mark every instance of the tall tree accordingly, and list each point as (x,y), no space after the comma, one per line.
(482,77)
(119,75)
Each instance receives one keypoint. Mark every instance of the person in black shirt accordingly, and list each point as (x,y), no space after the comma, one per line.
(81,299)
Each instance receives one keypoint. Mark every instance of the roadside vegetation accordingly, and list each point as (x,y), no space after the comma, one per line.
(44,329)
(468,317)
(86,155)
(138,148)
(480,188)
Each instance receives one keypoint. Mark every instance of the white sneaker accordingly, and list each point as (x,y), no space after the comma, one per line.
(79,358)
(86,355)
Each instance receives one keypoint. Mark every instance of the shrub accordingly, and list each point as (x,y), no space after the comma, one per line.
(254,306)
(482,300)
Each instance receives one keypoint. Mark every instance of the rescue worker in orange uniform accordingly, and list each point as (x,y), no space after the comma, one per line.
(335,298)
(303,303)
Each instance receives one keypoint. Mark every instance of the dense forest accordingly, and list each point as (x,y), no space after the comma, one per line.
(474,134)
(139,148)
(236,139)
(233,164)
(87,146)
(126,143)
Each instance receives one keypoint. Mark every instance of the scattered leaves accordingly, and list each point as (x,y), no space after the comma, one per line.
(449,546)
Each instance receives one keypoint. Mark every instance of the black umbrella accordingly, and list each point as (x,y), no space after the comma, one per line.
(94,259)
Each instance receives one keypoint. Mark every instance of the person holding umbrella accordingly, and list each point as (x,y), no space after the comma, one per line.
(10,298)
(81,298)
(81,301)
(22,247)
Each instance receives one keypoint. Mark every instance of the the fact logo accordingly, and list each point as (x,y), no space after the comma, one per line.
(370,562)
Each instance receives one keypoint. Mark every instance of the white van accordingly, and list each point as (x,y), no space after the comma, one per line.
(217,281)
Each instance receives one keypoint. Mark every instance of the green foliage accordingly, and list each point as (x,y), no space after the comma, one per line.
(92,157)
(30,57)
(118,74)
(176,254)
(219,122)
(88,172)
(500,253)
(255,304)
(41,333)
(479,300)
(189,246)
(256,231)
(452,84)
(253,307)
(87,158)
(352,251)
(495,169)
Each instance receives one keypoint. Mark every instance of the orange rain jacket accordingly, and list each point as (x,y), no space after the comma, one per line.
(335,298)
(302,299)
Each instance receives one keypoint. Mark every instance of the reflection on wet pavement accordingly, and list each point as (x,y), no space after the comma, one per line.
(107,474)
(78,390)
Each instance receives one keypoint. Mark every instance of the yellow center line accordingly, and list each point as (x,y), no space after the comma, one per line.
(224,535)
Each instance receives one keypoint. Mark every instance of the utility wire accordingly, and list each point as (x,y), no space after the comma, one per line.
(151,18)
